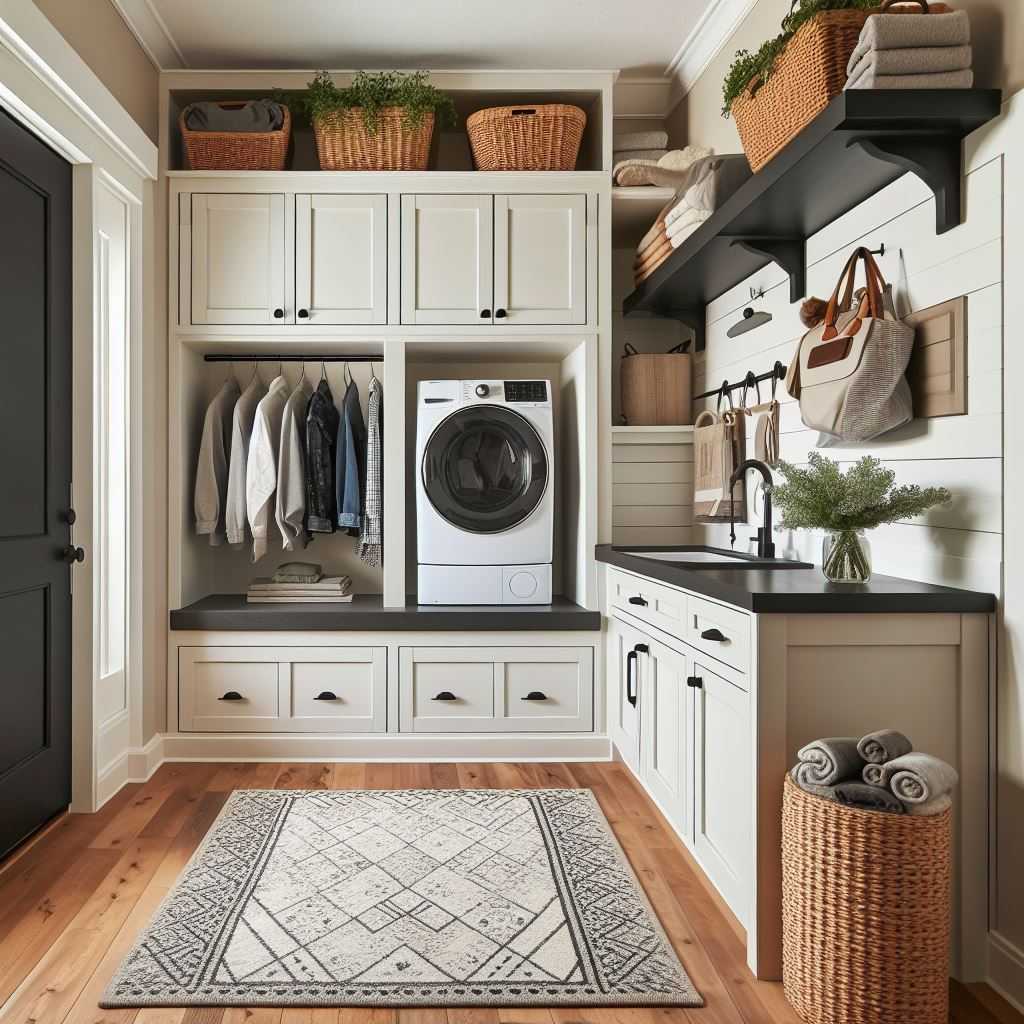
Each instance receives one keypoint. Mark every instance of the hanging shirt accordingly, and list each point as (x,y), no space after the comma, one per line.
(350,465)
(261,464)
(321,437)
(241,430)
(291,470)
(211,492)
(371,537)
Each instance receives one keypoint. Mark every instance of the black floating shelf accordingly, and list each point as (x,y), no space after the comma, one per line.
(864,140)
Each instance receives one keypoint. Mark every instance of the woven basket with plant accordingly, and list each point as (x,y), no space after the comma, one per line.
(774,93)
(383,121)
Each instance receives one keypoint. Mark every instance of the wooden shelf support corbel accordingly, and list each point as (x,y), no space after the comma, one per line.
(790,254)
(935,159)
(696,320)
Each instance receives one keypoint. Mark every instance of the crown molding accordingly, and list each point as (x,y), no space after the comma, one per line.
(709,35)
(145,23)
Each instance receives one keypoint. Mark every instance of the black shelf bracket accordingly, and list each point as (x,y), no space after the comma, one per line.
(696,320)
(935,159)
(789,253)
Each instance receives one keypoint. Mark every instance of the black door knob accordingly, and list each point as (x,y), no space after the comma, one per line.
(303,314)
(326,695)
(695,682)
(485,314)
(535,695)
(231,695)
(500,314)
(70,516)
(638,600)
(72,554)
(713,634)
(279,313)
(445,695)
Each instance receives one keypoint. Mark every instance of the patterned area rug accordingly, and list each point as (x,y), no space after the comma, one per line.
(405,898)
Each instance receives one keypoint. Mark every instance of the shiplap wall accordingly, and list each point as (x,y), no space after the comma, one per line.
(652,489)
(957,545)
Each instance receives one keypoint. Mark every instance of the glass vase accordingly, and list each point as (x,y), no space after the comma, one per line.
(846,556)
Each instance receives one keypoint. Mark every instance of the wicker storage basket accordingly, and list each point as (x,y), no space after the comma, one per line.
(808,74)
(236,151)
(542,138)
(656,388)
(344,144)
(865,912)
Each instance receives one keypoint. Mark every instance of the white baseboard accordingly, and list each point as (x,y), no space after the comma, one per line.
(134,765)
(1006,969)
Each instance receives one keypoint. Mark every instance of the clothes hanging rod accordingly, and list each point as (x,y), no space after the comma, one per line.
(220,357)
(777,372)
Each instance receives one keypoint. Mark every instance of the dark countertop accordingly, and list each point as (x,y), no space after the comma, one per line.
(801,590)
(366,612)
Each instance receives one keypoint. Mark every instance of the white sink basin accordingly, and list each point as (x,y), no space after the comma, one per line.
(688,556)
(698,556)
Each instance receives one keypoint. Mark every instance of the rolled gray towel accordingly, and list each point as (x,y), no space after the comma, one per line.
(918,778)
(867,798)
(876,775)
(825,792)
(828,761)
(883,745)
(906,31)
(936,806)
(248,116)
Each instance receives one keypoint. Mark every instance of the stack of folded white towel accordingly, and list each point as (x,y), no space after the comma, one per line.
(878,772)
(648,146)
(913,51)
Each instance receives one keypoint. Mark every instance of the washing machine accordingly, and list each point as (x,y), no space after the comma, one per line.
(484,491)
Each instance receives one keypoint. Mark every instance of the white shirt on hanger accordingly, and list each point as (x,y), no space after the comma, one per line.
(210,498)
(291,469)
(241,431)
(261,465)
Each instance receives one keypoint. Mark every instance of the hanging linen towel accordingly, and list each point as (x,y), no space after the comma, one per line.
(321,438)
(211,492)
(640,140)
(371,540)
(718,444)
(261,465)
(350,462)
(291,470)
(241,431)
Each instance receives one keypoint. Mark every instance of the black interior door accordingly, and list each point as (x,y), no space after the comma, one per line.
(35,483)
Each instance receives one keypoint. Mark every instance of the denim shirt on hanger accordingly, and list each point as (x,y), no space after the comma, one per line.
(350,467)
(321,433)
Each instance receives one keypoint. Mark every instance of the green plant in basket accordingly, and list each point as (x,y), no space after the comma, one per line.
(754,69)
(372,91)
(822,497)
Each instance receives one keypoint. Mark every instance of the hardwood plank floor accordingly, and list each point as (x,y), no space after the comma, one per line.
(71,905)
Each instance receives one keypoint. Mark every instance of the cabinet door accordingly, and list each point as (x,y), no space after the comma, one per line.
(723,787)
(447,259)
(540,259)
(341,259)
(625,698)
(666,733)
(239,258)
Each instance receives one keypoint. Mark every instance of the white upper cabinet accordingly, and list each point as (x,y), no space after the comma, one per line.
(341,259)
(540,259)
(238,258)
(447,259)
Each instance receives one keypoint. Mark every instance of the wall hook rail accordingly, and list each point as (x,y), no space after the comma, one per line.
(749,380)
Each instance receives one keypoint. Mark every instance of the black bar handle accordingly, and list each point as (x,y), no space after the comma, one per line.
(713,634)
(445,695)
(535,695)
(630,677)
(638,600)
(231,695)
(326,695)
(695,682)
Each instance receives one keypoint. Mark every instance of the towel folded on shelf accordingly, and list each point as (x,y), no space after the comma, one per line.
(828,761)
(671,171)
(640,140)
(659,245)
(883,745)
(250,116)
(867,798)
(900,32)
(914,60)
(654,256)
(917,778)
(941,80)
(685,228)
(619,155)
(654,232)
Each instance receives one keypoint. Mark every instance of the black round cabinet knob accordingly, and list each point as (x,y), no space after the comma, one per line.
(303,314)
(279,313)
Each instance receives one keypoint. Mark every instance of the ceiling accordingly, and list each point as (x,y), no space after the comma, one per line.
(636,36)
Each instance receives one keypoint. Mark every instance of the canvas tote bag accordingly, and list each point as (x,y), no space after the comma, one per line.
(718,444)
(850,370)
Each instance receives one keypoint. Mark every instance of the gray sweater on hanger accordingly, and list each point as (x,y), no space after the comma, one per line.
(211,493)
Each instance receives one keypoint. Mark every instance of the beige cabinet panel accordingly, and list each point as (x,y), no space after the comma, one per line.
(238,259)
(341,259)
(540,259)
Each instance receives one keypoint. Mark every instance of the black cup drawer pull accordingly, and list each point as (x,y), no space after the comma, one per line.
(326,695)
(445,695)
(695,682)
(713,634)
(642,601)
(535,695)
(231,695)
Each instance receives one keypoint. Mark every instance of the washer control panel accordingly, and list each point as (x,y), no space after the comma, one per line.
(526,391)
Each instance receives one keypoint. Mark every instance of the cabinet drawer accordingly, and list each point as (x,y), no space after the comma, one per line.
(721,632)
(228,689)
(648,601)
(338,690)
(496,689)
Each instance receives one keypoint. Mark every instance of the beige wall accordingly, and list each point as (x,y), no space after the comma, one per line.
(997,28)
(97,33)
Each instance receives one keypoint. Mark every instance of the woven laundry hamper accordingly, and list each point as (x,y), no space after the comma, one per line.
(865,912)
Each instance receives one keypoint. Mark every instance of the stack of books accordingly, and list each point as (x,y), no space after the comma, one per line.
(300,583)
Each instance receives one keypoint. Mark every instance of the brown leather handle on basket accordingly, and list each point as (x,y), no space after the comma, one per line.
(886,4)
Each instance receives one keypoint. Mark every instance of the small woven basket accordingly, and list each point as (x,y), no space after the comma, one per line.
(865,912)
(236,151)
(343,142)
(808,74)
(542,138)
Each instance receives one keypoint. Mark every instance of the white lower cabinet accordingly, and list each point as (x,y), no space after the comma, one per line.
(282,689)
(495,689)
(624,695)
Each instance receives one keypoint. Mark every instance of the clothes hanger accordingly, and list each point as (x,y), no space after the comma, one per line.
(347,376)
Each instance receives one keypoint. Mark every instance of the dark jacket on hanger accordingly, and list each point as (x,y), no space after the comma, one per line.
(321,436)
(350,464)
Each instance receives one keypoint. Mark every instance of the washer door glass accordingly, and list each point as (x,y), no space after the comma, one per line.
(485,469)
